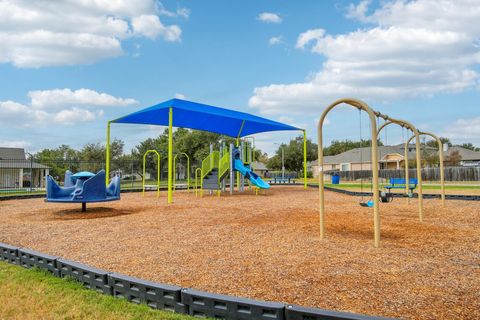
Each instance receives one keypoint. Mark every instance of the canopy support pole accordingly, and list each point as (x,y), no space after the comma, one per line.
(107,156)
(170,154)
(305,159)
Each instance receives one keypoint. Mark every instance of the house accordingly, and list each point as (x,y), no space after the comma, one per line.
(16,171)
(390,157)
(259,168)
(469,158)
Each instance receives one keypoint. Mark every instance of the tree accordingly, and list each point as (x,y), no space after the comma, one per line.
(293,155)
(196,144)
(59,160)
(433,143)
(453,159)
(97,151)
(261,157)
(339,146)
(470,146)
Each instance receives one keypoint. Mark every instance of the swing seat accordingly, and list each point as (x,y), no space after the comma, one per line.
(368,204)
(386,197)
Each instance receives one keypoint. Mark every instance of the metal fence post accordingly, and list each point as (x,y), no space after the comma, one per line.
(131,177)
(31,172)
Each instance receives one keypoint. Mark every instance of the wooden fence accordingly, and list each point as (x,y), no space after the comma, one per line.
(459,174)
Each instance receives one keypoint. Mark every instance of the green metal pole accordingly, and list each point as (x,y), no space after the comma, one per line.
(175,172)
(237,144)
(107,156)
(188,172)
(170,154)
(304,159)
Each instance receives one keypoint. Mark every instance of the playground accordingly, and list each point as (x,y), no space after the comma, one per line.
(225,230)
(268,247)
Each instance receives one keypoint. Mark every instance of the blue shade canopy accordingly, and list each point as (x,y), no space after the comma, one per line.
(192,115)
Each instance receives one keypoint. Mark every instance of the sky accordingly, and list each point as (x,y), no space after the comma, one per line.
(67,67)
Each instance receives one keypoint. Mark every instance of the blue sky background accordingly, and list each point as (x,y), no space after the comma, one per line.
(221,56)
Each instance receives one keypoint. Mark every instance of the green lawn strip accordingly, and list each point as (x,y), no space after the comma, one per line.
(36,294)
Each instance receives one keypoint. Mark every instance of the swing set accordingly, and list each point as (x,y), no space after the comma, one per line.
(377,196)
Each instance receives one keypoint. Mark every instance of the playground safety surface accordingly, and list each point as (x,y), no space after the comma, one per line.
(267,247)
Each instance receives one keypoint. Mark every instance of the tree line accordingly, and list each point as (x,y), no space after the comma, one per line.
(196,144)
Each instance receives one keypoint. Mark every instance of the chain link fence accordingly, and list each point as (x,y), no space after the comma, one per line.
(28,175)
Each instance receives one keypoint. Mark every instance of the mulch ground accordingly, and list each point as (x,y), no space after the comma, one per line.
(267,247)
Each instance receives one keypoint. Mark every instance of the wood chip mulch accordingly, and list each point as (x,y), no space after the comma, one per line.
(267,247)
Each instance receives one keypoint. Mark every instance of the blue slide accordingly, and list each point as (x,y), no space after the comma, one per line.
(249,174)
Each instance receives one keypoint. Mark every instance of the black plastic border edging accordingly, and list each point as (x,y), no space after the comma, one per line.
(168,297)
(465,197)
(211,305)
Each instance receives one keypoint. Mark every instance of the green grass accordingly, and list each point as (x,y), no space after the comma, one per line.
(36,294)
(18,193)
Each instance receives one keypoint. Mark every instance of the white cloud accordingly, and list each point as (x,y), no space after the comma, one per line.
(183,12)
(151,27)
(180,96)
(51,33)
(414,49)
(14,144)
(359,12)
(275,40)
(308,36)
(60,106)
(464,130)
(68,97)
(75,115)
(180,12)
(269,17)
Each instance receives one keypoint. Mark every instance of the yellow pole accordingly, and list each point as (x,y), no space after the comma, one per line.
(107,156)
(174,172)
(419,175)
(144,172)
(419,171)
(407,172)
(158,174)
(198,178)
(442,174)
(440,158)
(237,144)
(188,171)
(399,122)
(376,210)
(304,159)
(170,154)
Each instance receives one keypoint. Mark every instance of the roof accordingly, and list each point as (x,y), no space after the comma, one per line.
(12,153)
(21,164)
(466,154)
(193,115)
(359,155)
